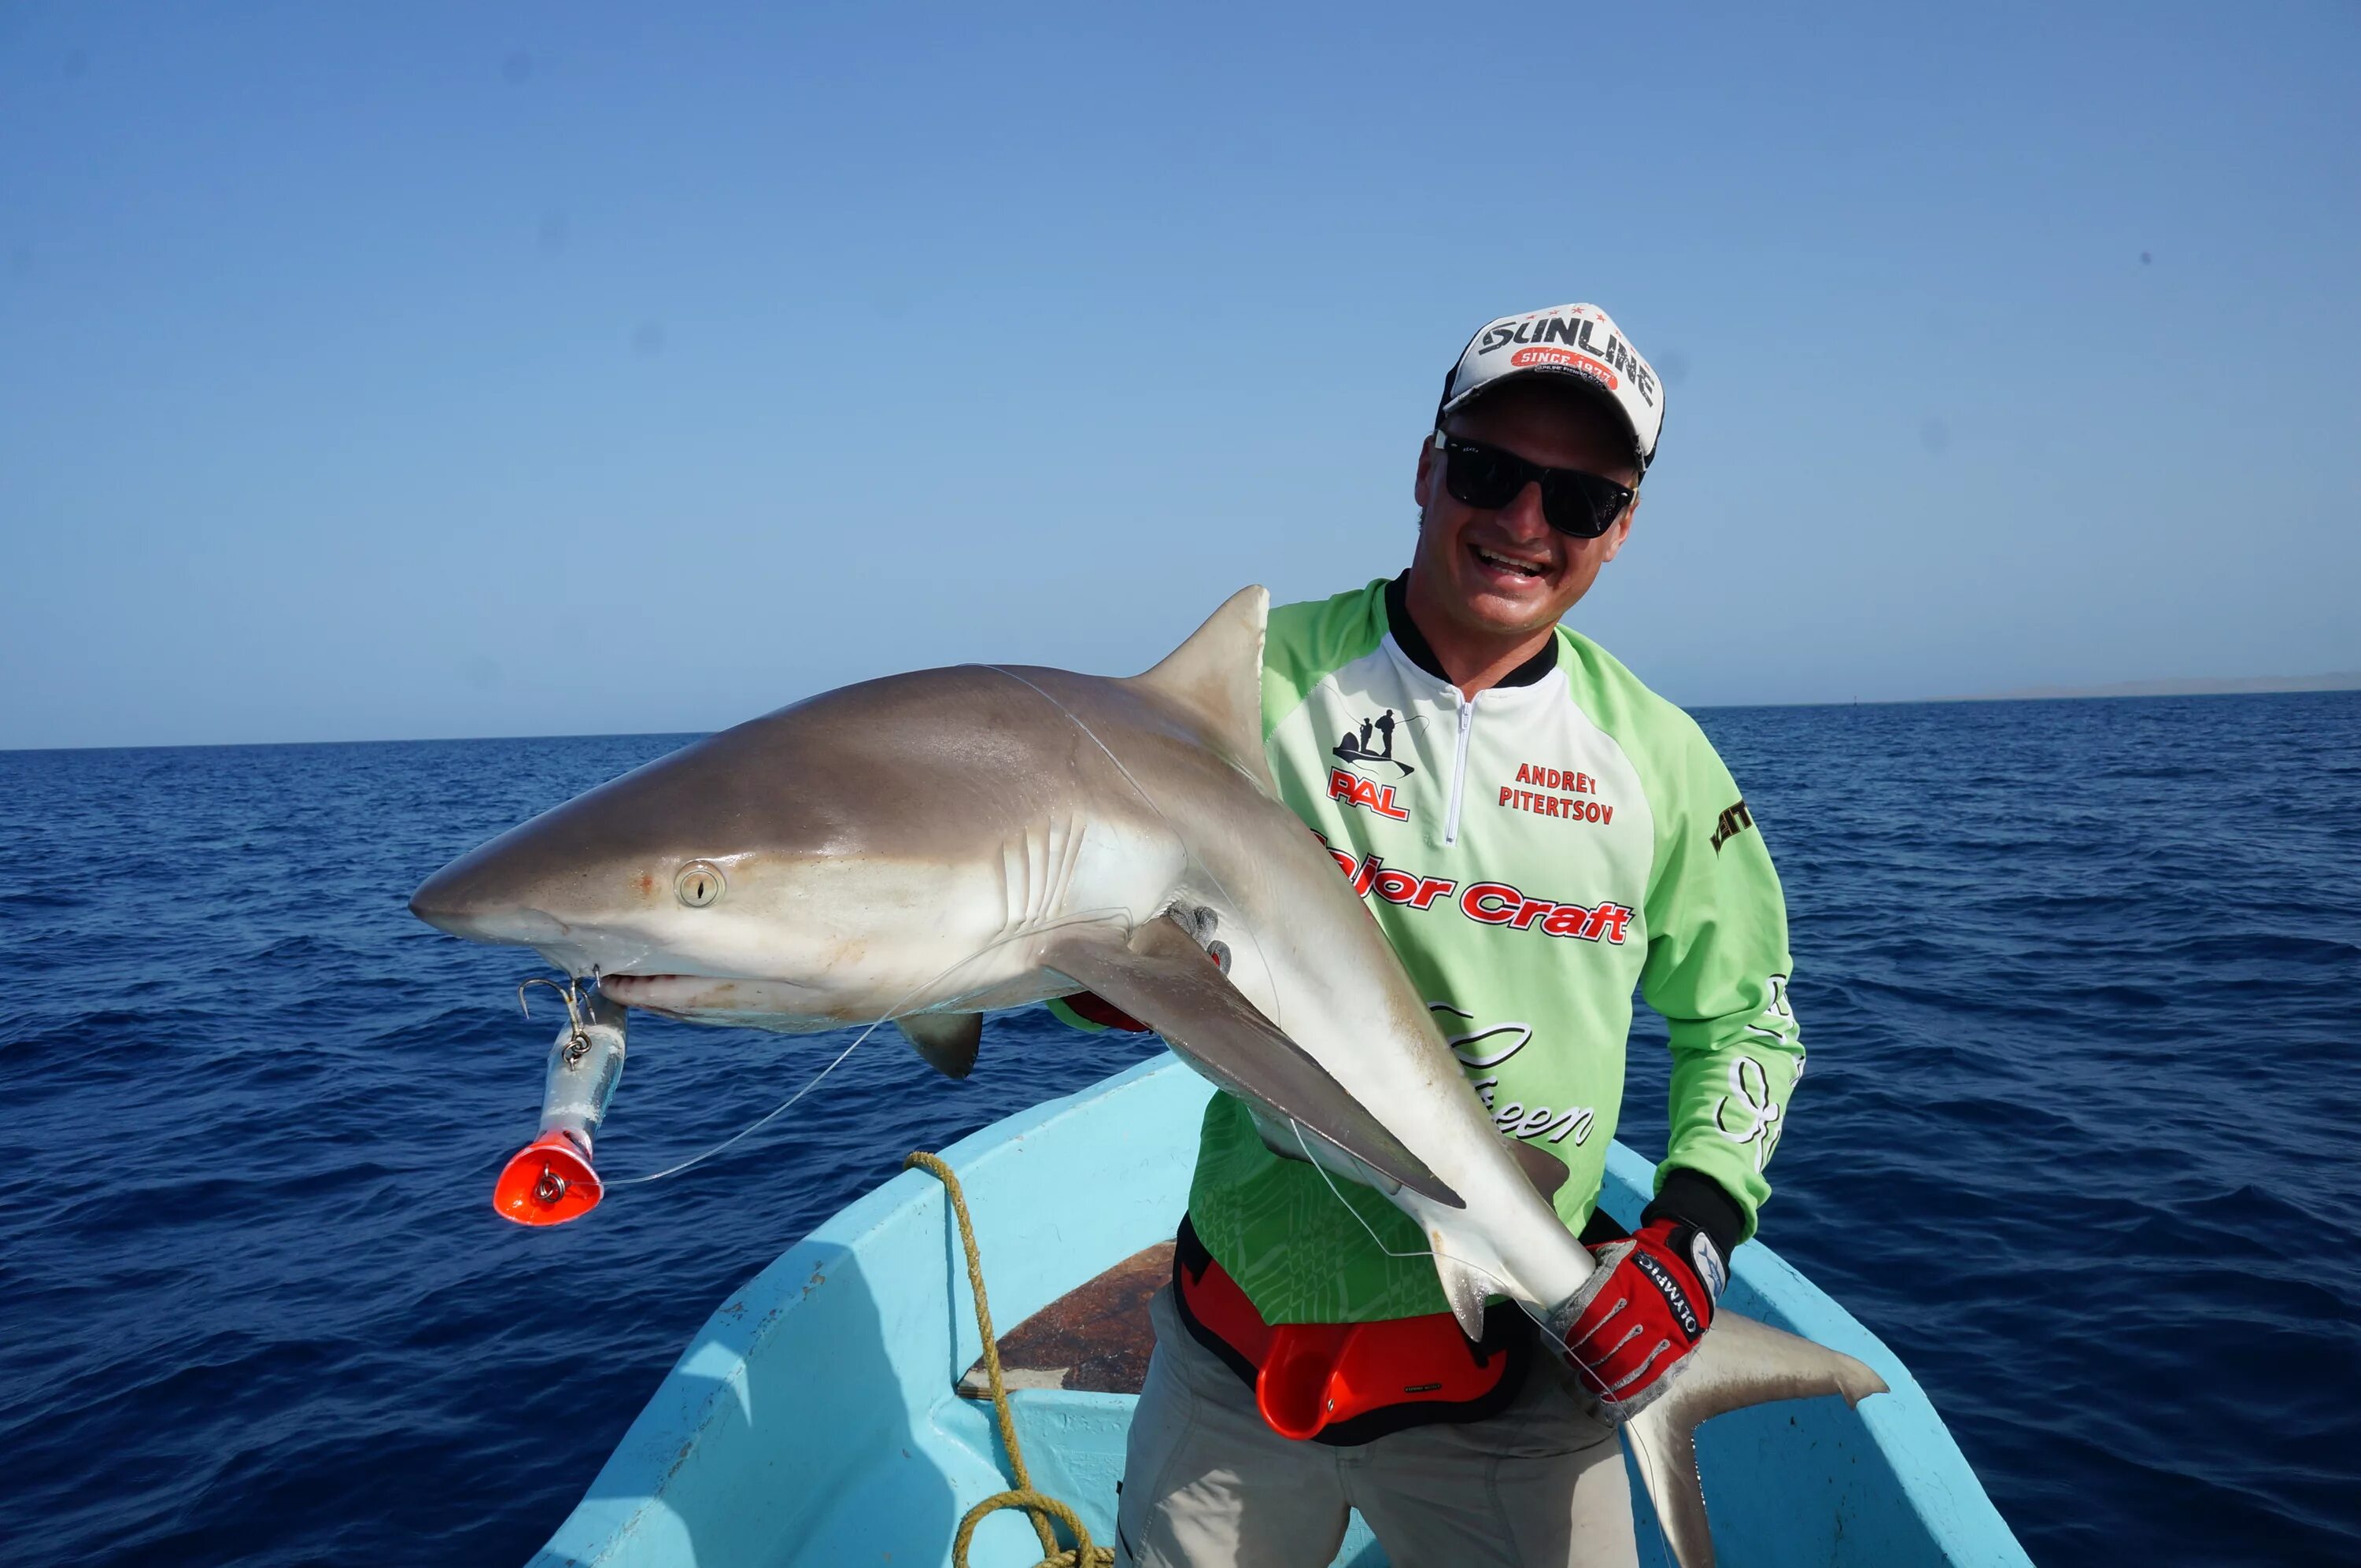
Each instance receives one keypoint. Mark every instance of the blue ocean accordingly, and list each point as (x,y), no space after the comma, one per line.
(2080,1137)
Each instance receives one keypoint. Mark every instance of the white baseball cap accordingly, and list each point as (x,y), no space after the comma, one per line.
(1579,341)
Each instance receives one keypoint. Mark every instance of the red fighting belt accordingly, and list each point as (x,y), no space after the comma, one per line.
(1346,1384)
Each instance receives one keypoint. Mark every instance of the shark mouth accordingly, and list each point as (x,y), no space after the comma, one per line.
(687,996)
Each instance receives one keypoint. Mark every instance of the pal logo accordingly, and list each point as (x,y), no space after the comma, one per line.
(1369,796)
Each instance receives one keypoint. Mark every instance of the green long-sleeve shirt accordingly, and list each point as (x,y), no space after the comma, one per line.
(1533,854)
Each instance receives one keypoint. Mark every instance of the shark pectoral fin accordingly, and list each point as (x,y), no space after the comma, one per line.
(1164,979)
(1215,677)
(947,1040)
(1740,1362)
(1546,1173)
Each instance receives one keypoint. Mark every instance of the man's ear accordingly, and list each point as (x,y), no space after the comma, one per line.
(1428,457)
(1616,535)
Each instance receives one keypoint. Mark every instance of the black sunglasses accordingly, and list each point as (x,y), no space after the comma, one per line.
(1581,505)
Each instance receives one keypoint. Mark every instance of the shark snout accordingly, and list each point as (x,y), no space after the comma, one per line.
(583,914)
(446,902)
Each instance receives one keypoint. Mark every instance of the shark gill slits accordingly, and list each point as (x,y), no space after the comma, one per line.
(698,884)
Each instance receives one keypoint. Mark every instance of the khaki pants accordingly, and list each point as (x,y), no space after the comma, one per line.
(1207,1482)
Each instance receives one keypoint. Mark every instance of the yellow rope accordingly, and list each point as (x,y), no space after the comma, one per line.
(1040,1508)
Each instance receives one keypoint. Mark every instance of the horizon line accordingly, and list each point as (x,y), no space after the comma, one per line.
(2247,686)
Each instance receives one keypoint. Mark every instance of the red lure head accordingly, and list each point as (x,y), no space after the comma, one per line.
(547,1182)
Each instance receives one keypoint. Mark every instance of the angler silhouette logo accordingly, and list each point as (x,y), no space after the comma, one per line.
(1356,748)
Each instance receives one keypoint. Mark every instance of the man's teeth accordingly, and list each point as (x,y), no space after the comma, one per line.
(1526,568)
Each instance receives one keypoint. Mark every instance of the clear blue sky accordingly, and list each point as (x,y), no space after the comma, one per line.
(421,371)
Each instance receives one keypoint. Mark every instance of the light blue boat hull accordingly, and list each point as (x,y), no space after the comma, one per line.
(812,1420)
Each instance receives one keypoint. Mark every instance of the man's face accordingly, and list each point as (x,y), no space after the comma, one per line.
(1507,572)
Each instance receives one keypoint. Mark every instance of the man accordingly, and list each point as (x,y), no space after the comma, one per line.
(1536,833)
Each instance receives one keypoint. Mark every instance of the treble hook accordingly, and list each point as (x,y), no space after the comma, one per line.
(575,1014)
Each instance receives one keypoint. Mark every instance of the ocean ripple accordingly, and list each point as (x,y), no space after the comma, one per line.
(2078,1137)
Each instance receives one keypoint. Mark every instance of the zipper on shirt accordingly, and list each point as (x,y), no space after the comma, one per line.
(1459,770)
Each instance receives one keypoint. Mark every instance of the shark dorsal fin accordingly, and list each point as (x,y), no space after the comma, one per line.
(1215,677)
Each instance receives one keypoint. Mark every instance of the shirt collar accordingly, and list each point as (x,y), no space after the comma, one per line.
(1415,647)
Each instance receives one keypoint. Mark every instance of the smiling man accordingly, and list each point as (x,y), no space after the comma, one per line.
(1538,835)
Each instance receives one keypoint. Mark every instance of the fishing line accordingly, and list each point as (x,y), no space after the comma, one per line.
(746,1132)
(874,1025)
(1646,1455)
(1527,1309)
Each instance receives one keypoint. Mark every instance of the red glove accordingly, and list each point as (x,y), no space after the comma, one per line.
(1639,1328)
(1090,1004)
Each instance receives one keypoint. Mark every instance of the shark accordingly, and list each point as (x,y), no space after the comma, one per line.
(929,847)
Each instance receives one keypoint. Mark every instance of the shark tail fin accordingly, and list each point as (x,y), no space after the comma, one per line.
(1741,1361)
(1215,678)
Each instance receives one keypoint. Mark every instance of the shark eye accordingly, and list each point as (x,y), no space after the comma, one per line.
(699,885)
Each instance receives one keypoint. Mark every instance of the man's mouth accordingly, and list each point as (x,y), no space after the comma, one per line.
(1499,563)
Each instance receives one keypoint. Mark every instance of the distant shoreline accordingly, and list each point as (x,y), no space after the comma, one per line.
(2334,681)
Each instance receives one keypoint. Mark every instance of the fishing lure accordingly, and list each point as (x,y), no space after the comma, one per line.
(551,1180)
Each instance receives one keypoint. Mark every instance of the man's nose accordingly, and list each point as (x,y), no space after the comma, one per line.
(1523,514)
